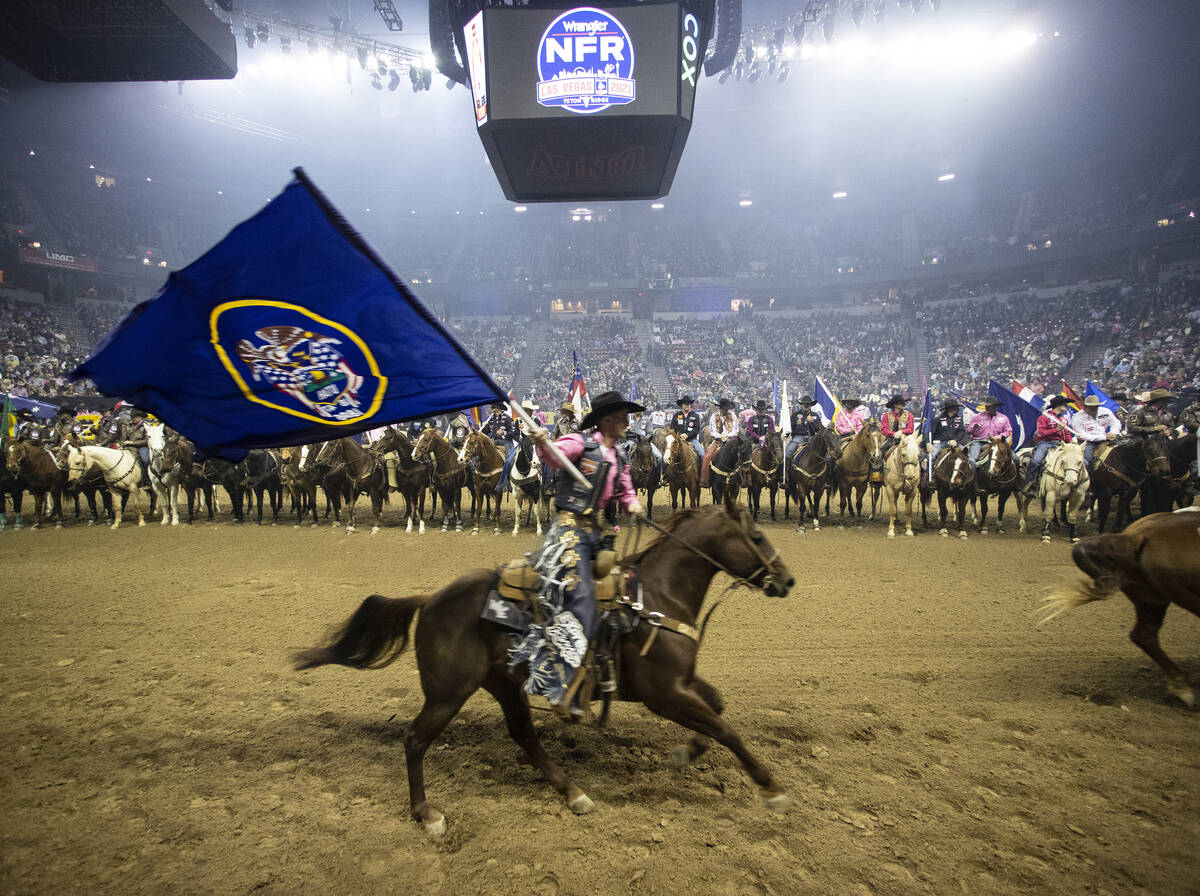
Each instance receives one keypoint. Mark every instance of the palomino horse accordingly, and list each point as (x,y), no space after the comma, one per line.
(954,480)
(348,462)
(808,476)
(457,653)
(682,470)
(166,473)
(35,470)
(645,471)
(121,472)
(766,464)
(489,464)
(1064,478)
(525,482)
(997,473)
(449,474)
(901,481)
(1121,471)
(852,471)
(727,472)
(1156,562)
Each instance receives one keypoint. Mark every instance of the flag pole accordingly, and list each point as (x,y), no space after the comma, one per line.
(550,447)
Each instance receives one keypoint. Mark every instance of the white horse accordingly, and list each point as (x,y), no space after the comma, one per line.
(901,481)
(165,475)
(525,482)
(1064,478)
(121,473)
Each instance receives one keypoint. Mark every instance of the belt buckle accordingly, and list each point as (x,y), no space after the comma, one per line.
(655,618)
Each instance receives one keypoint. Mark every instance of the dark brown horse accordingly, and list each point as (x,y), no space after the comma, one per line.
(449,474)
(730,468)
(953,480)
(299,482)
(1182,454)
(645,470)
(997,473)
(1156,563)
(766,469)
(457,653)
(1121,472)
(35,470)
(489,465)
(344,460)
(10,488)
(412,476)
(681,468)
(808,476)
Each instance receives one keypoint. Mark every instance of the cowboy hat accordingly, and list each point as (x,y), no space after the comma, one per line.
(528,405)
(1091,401)
(608,403)
(684,399)
(897,400)
(760,405)
(807,400)
(1159,395)
(951,403)
(851,402)
(567,408)
(991,402)
(1058,401)
(725,404)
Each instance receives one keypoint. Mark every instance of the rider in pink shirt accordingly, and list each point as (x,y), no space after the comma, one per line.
(855,417)
(987,424)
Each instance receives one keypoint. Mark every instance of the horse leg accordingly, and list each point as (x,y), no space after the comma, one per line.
(685,755)
(1051,500)
(945,533)
(521,730)
(433,718)
(678,703)
(891,500)
(118,508)
(1150,613)
(983,510)
(960,516)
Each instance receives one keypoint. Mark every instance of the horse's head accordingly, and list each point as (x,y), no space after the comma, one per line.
(1156,451)
(953,468)
(743,549)
(1071,465)
(909,451)
(14,456)
(873,443)
(387,442)
(327,456)
(423,447)
(671,441)
(77,463)
(833,442)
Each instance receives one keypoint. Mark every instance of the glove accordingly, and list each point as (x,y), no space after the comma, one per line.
(953,444)
(540,436)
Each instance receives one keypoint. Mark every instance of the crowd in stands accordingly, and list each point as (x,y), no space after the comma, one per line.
(35,358)
(496,343)
(609,358)
(711,358)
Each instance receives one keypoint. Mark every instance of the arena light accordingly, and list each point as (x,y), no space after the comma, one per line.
(657,206)
(945,177)
(745,203)
(839,194)
(520,209)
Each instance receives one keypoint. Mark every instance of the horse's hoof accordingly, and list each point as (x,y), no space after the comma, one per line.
(1075,540)
(374,530)
(909,533)
(174,522)
(681,758)
(58,525)
(1045,539)
(436,829)
(962,535)
(581,805)
(495,531)
(799,530)
(891,534)
(91,522)
(944,534)
(983,531)
(999,530)
(1184,692)
(778,802)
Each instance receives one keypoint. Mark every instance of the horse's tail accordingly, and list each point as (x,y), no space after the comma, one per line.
(372,638)
(1104,558)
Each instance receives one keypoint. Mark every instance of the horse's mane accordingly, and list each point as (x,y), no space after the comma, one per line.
(667,526)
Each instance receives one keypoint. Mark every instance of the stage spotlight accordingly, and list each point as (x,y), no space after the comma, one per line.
(394,80)
(285,45)
(251,40)
(858,11)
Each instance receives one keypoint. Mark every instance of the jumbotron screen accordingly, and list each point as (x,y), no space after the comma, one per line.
(579,103)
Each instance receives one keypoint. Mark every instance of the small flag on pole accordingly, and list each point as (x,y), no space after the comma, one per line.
(827,404)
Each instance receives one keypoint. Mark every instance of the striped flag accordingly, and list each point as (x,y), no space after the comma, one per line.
(578,392)
(1072,396)
(827,404)
(1023,391)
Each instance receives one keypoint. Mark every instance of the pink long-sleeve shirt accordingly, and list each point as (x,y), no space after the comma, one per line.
(984,427)
(852,421)
(572,447)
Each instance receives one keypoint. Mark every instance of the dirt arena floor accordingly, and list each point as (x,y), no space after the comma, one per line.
(932,739)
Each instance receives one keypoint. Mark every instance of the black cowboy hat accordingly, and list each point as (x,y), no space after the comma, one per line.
(497,405)
(896,400)
(760,405)
(991,402)
(725,404)
(850,402)
(951,403)
(1058,401)
(1119,396)
(684,399)
(807,400)
(608,403)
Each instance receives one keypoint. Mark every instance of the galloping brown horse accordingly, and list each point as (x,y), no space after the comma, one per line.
(35,470)
(682,469)
(766,465)
(852,471)
(1156,562)
(489,464)
(457,653)
(449,474)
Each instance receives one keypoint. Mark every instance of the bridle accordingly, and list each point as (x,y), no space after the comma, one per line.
(763,570)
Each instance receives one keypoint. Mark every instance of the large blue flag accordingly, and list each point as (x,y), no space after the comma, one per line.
(35,407)
(927,415)
(827,404)
(290,330)
(1105,401)
(1020,413)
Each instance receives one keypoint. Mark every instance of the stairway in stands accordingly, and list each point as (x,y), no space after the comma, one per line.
(774,361)
(1081,366)
(69,324)
(531,357)
(660,382)
(916,354)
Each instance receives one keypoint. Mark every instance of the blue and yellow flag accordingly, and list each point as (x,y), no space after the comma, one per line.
(827,404)
(288,331)
(1105,402)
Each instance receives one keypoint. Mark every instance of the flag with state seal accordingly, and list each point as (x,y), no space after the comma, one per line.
(290,330)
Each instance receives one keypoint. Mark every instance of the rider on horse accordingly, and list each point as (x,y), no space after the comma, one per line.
(722,426)
(947,429)
(1094,426)
(805,425)
(686,422)
(564,421)
(565,561)
(62,427)
(762,424)
(897,421)
(1152,416)
(987,424)
(501,428)
(135,439)
(1053,429)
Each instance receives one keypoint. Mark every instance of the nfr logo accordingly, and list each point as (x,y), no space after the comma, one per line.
(585,62)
